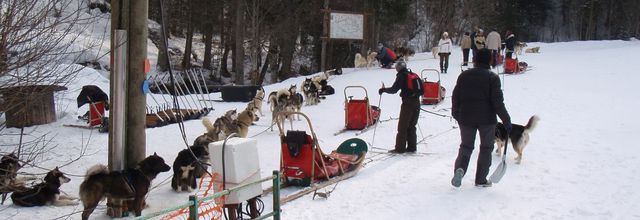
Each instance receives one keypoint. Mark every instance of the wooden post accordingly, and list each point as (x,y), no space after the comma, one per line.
(136,100)
(130,16)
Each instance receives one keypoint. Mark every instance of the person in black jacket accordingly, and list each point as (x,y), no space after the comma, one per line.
(409,111)
(477,99)
(510,44)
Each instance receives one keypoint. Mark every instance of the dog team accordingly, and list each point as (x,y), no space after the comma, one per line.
(133,185)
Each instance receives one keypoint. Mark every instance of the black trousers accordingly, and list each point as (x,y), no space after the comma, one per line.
(409,112)
(465,56)
(468,137)
(444,61)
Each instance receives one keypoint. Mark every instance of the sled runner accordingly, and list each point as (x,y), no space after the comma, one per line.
(304,164)
(358,113)
(433,91)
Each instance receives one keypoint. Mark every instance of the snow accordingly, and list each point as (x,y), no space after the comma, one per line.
(581,162)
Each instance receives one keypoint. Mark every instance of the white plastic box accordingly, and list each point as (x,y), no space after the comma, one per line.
(243,194)
(241,166)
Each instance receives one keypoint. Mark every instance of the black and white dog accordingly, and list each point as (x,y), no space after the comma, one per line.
(519,136)
(186,168)
(45,193)
(311,92)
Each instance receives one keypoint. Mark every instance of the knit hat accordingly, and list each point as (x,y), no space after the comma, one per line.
(484,57)
(400,65)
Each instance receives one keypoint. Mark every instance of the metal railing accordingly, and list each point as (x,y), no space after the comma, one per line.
(193,202)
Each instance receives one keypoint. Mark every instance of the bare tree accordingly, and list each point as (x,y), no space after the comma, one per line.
(39,42)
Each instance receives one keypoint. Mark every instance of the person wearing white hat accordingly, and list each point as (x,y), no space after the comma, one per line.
(444,51)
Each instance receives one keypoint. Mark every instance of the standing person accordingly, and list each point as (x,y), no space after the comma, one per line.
(510,44)
(476,101)
(474,49)
(465,45)
(385,56)
(444,51)
(409,111)
(478,42)
(494,43)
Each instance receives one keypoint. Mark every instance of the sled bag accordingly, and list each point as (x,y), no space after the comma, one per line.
(511,66)
(433,93)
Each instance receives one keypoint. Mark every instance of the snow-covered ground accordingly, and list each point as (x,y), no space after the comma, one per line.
(581,162)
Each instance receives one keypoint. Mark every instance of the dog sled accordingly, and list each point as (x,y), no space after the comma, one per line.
(433,91)
(359,114)
(512,66)
(304,164)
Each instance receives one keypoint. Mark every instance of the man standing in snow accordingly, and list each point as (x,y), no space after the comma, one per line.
(465,45)
(409,111)
(494,42)
(476,101)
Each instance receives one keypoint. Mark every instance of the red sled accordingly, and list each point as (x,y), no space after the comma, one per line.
(511,66)
(358,113)
(96,111)
(303,162)
(433,91)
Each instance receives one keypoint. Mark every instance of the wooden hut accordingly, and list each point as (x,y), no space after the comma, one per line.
(29,105)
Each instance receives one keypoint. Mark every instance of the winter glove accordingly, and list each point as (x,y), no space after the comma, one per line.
(380,91)
(508,127)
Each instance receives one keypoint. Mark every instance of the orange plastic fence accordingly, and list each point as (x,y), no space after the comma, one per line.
(206,209)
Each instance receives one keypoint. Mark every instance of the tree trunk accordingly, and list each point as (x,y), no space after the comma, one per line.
(186,59)
(208,40)
(163,62)
(238,52)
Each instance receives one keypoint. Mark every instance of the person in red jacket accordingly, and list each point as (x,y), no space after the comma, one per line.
(385,56)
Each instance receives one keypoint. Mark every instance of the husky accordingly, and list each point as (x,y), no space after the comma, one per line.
(185,168)
(518,47)
(45,193)
(217,130)
(435,51)
(276,96)
(242,123)
(359,61)
(256,104)
(532,50)
(519,136)
(311,93)
(364,62)
(405,52)
(131,183)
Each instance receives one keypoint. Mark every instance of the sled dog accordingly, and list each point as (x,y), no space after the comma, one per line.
(519,136)
(45,193)
(131,183)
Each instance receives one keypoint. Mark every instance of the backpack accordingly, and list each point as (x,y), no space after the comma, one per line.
(414,84)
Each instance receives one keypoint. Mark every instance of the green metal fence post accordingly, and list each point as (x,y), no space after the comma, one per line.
(276,195)
(193,209)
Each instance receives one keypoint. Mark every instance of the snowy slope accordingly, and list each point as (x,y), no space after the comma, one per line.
(580,163)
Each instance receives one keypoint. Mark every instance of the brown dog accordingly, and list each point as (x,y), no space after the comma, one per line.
(132,183)
(242,123)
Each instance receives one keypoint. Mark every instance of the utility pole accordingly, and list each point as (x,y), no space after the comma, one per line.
(129,53)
